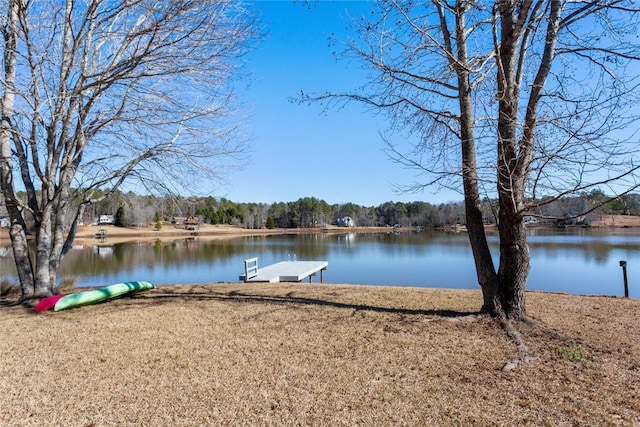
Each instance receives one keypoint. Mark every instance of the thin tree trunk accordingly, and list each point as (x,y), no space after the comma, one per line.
(485,269)
(20,246)
(43,284)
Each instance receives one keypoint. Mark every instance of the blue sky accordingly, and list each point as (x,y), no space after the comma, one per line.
(299,150)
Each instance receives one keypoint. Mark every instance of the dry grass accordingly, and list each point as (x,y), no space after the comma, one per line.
(291,354)
(68,285)
(8,289)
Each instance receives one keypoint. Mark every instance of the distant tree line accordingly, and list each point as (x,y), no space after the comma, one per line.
(130,209)
(309,212)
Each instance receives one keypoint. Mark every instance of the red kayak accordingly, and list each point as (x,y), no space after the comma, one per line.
(47,303)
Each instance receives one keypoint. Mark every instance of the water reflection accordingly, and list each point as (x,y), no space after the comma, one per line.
(577,261)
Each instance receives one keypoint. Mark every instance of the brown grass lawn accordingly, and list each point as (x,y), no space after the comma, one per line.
(297,354)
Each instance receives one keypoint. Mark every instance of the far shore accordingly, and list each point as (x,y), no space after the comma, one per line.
(90,233)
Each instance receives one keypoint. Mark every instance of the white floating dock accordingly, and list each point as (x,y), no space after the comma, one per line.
(285,271)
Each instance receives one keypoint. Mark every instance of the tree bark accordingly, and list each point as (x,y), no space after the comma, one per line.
(513,271)
(485,269)
(17,230)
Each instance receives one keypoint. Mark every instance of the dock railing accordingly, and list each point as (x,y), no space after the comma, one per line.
(250,268)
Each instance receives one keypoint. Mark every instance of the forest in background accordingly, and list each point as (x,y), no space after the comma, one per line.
(131,209)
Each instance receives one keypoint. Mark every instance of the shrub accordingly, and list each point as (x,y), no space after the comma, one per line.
(67,284)
(574,353)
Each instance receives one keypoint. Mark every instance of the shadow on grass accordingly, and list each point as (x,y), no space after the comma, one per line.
(10,299)
(9,303)
(238,296)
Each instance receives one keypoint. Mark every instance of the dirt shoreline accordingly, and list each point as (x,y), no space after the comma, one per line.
(89,234)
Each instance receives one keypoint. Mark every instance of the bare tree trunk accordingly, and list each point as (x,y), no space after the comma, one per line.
(512,165)
(17,229)
(514,268)
(485,269)
(20,246)
(42,285)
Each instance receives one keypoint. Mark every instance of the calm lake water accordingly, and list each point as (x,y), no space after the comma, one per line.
(580,261)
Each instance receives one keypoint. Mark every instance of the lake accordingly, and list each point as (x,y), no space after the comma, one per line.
(579,261)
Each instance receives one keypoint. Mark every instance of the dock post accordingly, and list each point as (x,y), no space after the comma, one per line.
(623,264)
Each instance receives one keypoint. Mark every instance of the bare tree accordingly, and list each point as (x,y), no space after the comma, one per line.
(140,210)
(97,92)
(527,101)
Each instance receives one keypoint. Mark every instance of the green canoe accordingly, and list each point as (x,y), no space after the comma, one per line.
(97,295)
